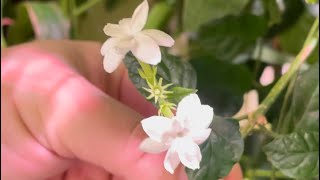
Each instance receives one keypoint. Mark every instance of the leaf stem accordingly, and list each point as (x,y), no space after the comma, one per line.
(308,47)
(84,7)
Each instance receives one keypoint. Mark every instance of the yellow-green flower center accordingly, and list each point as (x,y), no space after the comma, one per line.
(157,91)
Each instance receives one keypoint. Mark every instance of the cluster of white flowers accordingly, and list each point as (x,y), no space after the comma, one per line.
(181,134)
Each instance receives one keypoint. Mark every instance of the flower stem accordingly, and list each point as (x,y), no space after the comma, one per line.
(84,7)
(159,15)
(308,47)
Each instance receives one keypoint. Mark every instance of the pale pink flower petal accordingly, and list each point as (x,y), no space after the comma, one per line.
(194,114)
(140,16)
(189,153)
(161,38)
(125,25)
(186,106)
(150,146)
(125,44)
(250,103)
(199,136)
(267,76)
(113,30)
(171,161)
(111,61)
(146,50)
(108,45)
(156,127)
(112,58)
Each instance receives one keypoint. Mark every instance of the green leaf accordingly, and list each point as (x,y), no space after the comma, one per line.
(221,84)
(229,38)
(312,1)
(293,9)
(174,70)
(171,69)
(196,13)
(292,39)
(295,155)
(220,151)
(303,112)
(40,20)
(179,93)
(273,12)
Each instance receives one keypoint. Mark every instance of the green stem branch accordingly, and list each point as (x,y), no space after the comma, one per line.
(308,47)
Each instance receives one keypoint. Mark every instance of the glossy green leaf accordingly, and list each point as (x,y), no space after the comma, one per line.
(295,155)
(198,12)
(303,112)
(171,69)
(292,11)
(221,84)
(179,93)
(273,12)
(229,38)
(220,151)
(40,20)
(176,71)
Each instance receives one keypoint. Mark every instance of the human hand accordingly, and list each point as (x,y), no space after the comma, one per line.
(63,117)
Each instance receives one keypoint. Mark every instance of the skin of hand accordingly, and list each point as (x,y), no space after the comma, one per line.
(64,117)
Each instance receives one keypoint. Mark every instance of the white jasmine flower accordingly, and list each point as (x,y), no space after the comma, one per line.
(180,135)
(129,36)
